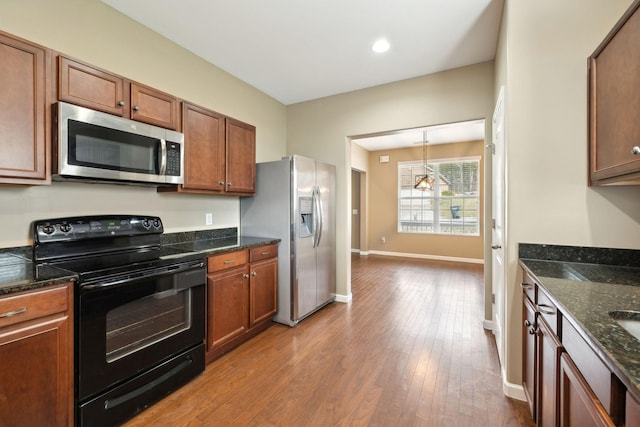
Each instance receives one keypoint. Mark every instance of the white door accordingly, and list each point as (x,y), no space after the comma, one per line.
(497,231)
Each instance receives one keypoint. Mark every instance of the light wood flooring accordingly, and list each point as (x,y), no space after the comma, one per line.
(409,350)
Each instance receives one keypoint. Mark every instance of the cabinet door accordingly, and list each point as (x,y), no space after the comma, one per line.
(263,291)
(36,353)
(241,157)
(204,148)
(34,374)
(579,406)
(548,357)
(153,106)
(91,87)
(529,354)
(614,99)
(632,411)
(24,130)
(228,306)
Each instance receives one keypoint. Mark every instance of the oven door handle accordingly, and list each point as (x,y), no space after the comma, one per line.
(172,269)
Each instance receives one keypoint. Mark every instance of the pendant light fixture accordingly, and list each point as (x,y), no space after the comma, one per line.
(424,182)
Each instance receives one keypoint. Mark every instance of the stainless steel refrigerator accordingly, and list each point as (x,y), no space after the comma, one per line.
(295,201)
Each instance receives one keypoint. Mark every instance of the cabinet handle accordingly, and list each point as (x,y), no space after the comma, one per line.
(545,309)
(136,108)
(229,184)
(496,246)
(526,286)
(254,274)
(532,330)
(120,103)
(635,150)
(229,261)
(265,253)
(245,275)
(220,182)
(13,313)
(527,323)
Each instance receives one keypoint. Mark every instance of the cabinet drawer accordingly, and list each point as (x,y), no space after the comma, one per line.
(226,260)
(605,385)
(547,310)
(32,305)
(529,287)
(263,252)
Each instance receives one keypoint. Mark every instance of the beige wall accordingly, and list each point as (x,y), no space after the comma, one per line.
(356,212)
(542,62)
(383,204)
(91,31)
(320,128)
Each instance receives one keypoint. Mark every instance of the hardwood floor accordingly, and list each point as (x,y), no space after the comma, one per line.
(409,350)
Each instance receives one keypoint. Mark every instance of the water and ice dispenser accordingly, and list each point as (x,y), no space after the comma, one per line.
(305,218)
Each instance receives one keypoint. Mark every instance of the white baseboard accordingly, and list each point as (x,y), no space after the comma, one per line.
(513,391)
(355,250)
(488,325)
(344,298)
(434,257)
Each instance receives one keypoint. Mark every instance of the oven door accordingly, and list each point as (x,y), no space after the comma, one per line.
(128,325)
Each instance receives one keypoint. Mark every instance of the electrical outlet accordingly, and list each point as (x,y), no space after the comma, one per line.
(208,218)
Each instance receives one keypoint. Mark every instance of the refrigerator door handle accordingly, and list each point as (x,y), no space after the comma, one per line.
(320,219)
(314,209)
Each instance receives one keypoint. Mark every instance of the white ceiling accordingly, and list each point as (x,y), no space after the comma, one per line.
(298,50)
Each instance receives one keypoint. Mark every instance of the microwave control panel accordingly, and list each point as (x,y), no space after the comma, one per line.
(173,159)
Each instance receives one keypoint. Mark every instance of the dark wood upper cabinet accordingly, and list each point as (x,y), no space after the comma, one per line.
(241,157)
(91,87)
(25,118)
(204,162)
(88,86)
(219,154)
(614,102)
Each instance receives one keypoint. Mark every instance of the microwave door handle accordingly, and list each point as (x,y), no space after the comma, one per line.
(163,157)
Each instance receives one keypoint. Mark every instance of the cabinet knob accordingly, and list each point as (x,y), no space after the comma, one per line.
(635,150)
(254,274)
(136,108)
(229,184)
(220,182)
(120,103)
(532,330)
(245,275)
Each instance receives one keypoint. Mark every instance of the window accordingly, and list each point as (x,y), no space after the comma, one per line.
(452,207)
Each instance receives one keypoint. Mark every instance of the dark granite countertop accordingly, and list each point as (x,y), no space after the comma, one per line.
(221,245)
(586,292)
(18,273)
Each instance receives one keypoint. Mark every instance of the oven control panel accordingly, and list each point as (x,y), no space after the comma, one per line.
(90,227)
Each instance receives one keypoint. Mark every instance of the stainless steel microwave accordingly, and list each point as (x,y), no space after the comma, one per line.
(94,146)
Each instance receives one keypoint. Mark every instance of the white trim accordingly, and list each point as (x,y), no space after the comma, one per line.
(487,324)
(425,256)
(344,298)
(511,390)
(355,250)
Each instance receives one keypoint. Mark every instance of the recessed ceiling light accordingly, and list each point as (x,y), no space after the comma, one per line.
(380,46)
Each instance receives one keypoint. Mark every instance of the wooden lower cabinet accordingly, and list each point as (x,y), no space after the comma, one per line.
(36,354)
(579,406)
(242,289)
(228,302)
(632,411)
(549,349)
(529,370)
